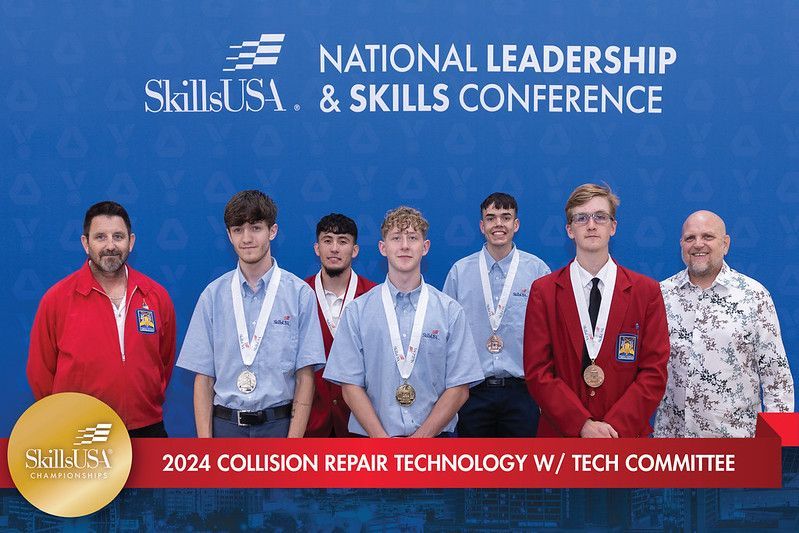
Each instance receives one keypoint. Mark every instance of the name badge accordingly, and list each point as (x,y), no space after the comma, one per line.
(145,320)
(626,347)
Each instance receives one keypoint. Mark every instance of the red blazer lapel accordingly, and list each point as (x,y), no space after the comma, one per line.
(567,310)
(618,310)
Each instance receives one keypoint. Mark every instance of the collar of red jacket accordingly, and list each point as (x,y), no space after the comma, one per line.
(87,281)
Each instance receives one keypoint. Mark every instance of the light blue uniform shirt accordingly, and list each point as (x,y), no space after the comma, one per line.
(464,285)
(362,355)
(292,340)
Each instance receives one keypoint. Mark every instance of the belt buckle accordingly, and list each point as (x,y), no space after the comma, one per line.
(238,418)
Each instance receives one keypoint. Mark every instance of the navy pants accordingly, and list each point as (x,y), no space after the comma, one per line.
(507,411)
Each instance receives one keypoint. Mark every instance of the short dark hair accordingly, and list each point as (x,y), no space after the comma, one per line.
(338,224)
(107,209)
(250,207)
(500,200)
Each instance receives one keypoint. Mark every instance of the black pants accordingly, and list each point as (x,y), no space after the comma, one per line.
(154,430)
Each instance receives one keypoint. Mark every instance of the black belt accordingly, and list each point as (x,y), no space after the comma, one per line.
(252,418)
(502,382)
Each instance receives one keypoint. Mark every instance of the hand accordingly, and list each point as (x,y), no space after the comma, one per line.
(593,429)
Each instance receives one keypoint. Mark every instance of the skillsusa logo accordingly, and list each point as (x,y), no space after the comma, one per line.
(251,53)
(432,335)
(226,94)
(285,321)
(89,435)
(69,454)
(78,462)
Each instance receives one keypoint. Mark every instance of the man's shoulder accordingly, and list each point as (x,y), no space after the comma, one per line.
(293,283)
(674,282)
(448,305)
(470,261)
(63,286)
(533,259)
(743,282)
(551,279)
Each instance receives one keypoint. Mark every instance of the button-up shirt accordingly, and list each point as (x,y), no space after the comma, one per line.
(587,279)
(726,351)
(292,340)
(362,355)
(464,285)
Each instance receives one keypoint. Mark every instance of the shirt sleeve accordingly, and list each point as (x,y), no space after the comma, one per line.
(43,351)
(775,373)
(346,363)
(197,352)
(310,349)
(463,363)
(451,283)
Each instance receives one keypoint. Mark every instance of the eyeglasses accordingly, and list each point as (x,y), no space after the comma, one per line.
(600,217)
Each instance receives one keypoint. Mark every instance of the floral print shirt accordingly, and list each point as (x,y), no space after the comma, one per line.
(727,360)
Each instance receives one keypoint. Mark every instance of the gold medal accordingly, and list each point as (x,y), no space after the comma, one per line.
(593,376)
(405,394)
(246,382)
(494,343)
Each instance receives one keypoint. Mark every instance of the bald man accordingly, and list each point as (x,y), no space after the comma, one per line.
(727,360)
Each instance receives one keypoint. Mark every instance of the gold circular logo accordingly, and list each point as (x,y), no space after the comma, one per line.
(69,454)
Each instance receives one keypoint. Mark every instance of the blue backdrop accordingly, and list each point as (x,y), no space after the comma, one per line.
(78,130)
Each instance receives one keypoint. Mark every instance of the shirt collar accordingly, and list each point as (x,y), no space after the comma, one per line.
(586,277)
(87,281)
(262,282)
(723,278)
(413,296)
(503,264)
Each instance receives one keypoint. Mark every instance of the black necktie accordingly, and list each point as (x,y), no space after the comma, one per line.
(594,302)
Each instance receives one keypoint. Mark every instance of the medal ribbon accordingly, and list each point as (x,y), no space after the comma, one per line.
(593,339)
(249,348)
(349,295)
(495,315)
(405,361)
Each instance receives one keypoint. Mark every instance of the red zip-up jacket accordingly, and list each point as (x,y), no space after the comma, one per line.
(75,345)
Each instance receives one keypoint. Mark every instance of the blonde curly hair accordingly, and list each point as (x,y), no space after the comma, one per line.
(402,218)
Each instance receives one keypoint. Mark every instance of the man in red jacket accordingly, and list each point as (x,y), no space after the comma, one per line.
(336,285)
(106,330)
(596,342)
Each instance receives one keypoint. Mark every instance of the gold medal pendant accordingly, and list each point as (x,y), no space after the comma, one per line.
(494,343)
(405,394)
(246,382)
(593,376)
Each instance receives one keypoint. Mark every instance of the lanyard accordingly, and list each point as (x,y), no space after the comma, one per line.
(349,295)
(250,348)
(593,339)
(405,362)
(495,315)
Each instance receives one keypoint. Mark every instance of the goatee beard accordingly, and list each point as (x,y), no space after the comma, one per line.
(334,272)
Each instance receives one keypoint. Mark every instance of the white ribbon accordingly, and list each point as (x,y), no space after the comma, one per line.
(593,339)
(405,361)
(349,295)
(249,348)
(495,315)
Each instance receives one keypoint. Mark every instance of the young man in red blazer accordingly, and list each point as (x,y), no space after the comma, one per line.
(596,342)
(336,285)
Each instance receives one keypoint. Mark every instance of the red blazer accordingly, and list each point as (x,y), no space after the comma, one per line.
(553,356)
(329,413)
